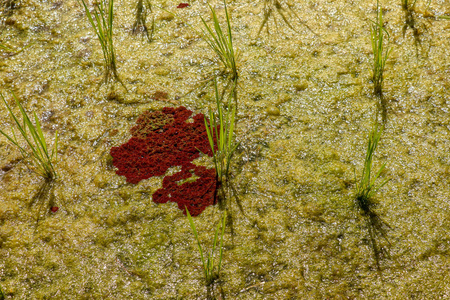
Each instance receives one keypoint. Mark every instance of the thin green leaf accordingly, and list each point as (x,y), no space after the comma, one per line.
(39,153)
(191,222)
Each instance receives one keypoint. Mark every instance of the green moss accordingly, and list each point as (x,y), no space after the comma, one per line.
(299,236)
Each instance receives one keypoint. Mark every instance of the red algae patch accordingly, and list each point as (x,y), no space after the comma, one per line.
(165,139)
(183,5)
(194,195)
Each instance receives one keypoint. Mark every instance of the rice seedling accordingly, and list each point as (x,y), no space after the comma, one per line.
(42,160)
(366,188)
(221,134)
(141,18)
(209,265)
(380,51)
(220,42)
(101,20)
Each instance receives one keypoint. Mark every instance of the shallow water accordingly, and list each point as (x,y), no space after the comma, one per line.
(301,235)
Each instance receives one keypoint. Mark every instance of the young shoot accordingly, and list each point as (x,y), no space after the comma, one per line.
(380,51)
(43,161)
(221,134)
(209,264)
(101,19)
(220,42)
(366,188)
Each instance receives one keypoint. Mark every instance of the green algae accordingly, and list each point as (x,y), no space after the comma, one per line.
(300,236)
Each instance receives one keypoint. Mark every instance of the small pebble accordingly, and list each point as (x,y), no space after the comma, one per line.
(166,16)
(101,181)
(161,71)
(283,98)
(272,110)
(301,85)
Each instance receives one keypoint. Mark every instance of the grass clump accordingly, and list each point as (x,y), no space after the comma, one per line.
(366,188)
(380,51)
(101,20)
(32,134)
(221,42)
(221,135)
(209,264)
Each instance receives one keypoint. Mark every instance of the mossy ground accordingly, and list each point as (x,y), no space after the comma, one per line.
(301,236)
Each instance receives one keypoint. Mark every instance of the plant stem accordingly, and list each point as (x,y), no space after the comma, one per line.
(366,187)
(221,43)
(101,20)
(208,264)
(221,134)
(42,160)
(380,54)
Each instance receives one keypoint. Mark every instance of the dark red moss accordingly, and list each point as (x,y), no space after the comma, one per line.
(162,140)
(194,195)
(183,5)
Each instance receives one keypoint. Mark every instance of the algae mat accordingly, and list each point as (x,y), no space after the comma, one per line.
(305,109)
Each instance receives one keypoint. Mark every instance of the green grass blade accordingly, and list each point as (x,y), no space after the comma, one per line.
(39,133)
(2,295)
(55,149)
(221,241)
(12,140)
(209,132)
(367,187)
(101,20)
(380,51)
(191,223)
(219,42)
(37,144)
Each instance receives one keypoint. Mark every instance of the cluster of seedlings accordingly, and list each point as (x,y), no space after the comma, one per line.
(101,20)
(219,126)
(380,52)
(43,160)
